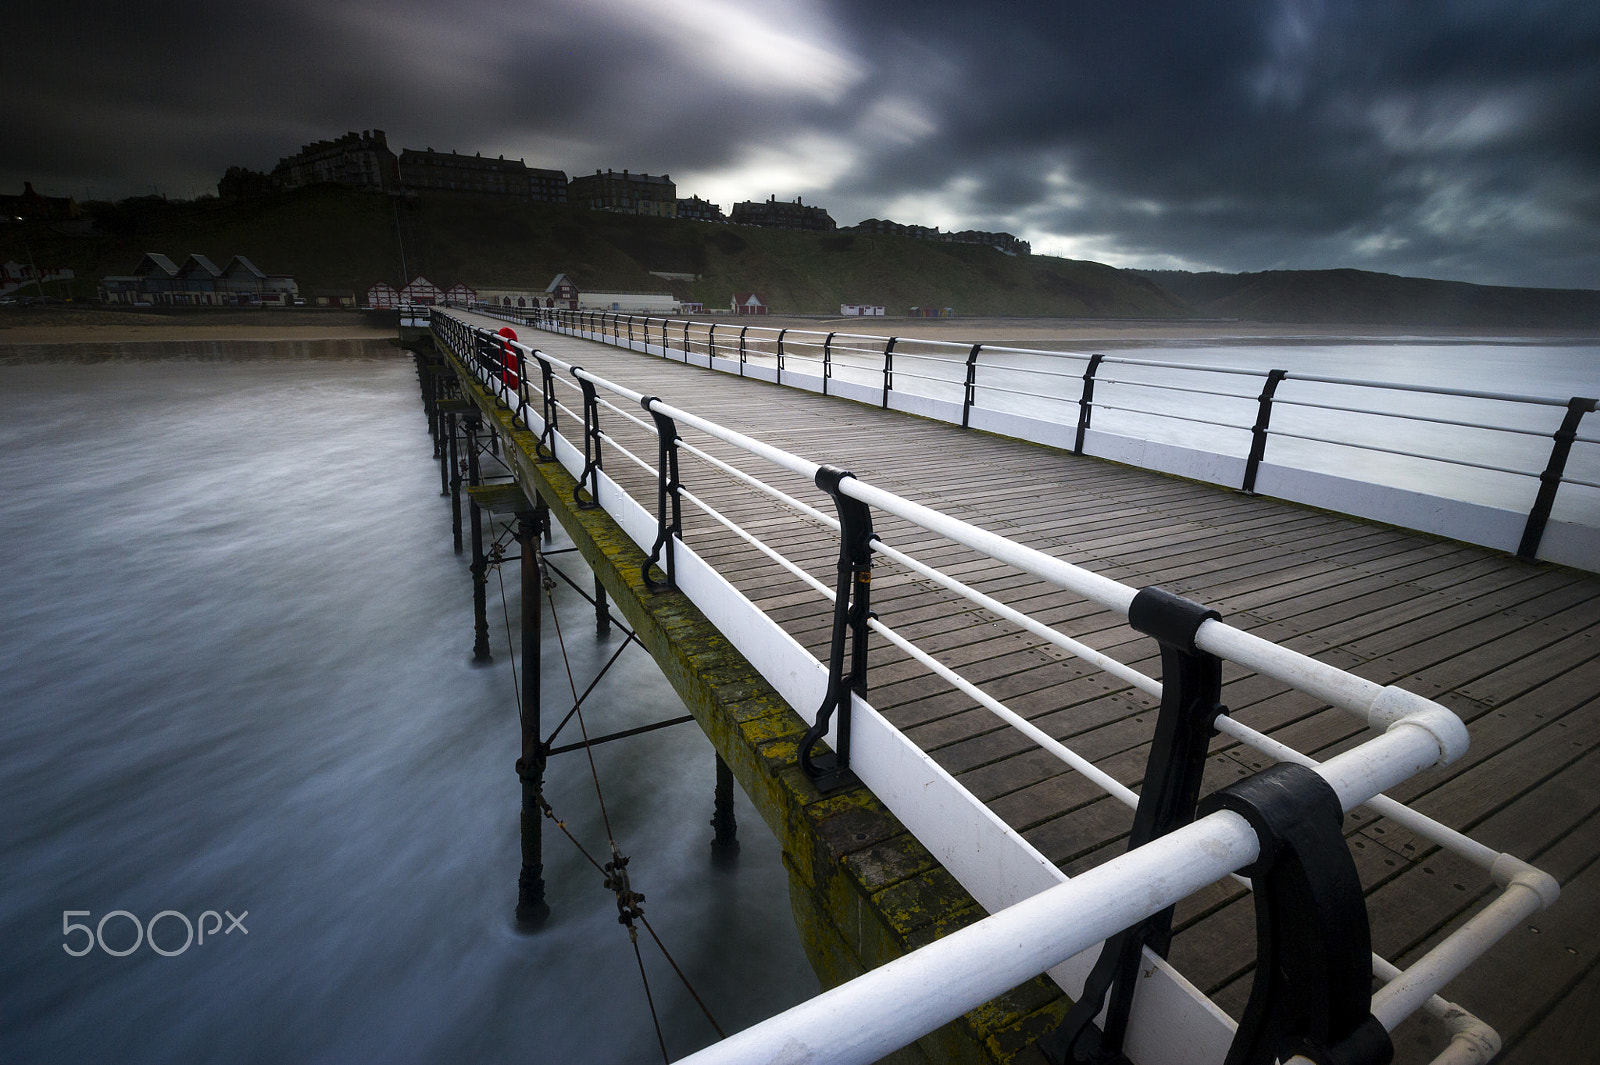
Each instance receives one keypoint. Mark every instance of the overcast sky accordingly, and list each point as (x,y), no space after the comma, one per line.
(1441,139)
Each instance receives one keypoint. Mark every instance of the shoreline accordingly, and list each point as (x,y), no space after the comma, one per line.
(91,326)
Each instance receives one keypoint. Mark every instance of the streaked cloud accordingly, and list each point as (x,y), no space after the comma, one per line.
(1441,140)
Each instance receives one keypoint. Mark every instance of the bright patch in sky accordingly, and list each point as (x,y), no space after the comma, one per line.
(781,49)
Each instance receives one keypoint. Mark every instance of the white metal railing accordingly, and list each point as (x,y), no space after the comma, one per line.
(1194,420)
(1036,926)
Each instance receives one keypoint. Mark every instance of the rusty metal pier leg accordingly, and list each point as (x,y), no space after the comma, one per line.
(455,482)
(532,909)
(480,564)
(602,613)
(725,842)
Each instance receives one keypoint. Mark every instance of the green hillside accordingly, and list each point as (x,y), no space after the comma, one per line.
(332,238)
(1360,296)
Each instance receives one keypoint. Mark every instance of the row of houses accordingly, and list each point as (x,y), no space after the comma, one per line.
(364,160)
(1005,242)
(157,280)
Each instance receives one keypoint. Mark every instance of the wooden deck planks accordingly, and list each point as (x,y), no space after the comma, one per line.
(1513,647)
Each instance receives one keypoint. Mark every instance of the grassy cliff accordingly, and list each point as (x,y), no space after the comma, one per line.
(1361,296)
(331,238)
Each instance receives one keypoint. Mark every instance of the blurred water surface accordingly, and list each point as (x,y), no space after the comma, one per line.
(234,676)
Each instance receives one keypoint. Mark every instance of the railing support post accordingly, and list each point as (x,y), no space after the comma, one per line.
(1312,992)
(686,342)
(1550,479)
(852,607)
(742,332)
(725,840)
(590,477)
(669,515)
(545,448)
(1258,432)
(827,361)
(1085,401)
(711,343)
(888,371)
(780,354)
(1191,687)
(969,390)
(532,909)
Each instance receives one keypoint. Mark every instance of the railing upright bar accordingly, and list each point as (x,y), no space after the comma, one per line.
(1258,432)
(1550,479)
(669,510)
(780,354)
(888,371)
(969,388)
(1085,401)
(742,332)
(827,361)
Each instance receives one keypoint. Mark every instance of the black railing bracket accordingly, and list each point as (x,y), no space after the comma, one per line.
(852,607)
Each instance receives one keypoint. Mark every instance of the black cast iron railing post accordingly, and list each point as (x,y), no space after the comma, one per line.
(522,389)
(852,607)
(711,343)
(827,361)
(969,388)
(686,342)
(1086,401)
(669,514)
(1191,690)
(590,476)
(630,332)
(1312,991)
(545,448)
(888,371)
(1258,432)
(742,332)
(780,354)
(1550,479)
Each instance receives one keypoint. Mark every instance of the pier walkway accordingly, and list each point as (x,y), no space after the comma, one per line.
(1512,647)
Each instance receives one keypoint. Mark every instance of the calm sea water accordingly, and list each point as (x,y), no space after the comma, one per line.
(234,677)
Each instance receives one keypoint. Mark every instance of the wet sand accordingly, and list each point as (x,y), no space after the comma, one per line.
(71,325)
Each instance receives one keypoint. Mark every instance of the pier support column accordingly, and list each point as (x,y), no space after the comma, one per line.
(532,909)
(480,564)
(455,481)
(725,841)
(602,612)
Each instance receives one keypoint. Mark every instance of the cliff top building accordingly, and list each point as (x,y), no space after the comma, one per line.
(452,171)
(780,214)
(625,193)
(362,160)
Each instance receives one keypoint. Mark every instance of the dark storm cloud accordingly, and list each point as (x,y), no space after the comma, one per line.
(1444,139)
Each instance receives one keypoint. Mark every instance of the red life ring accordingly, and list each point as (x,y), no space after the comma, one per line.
(510,362)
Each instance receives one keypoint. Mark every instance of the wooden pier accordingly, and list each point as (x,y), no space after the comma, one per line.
(1512,647)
